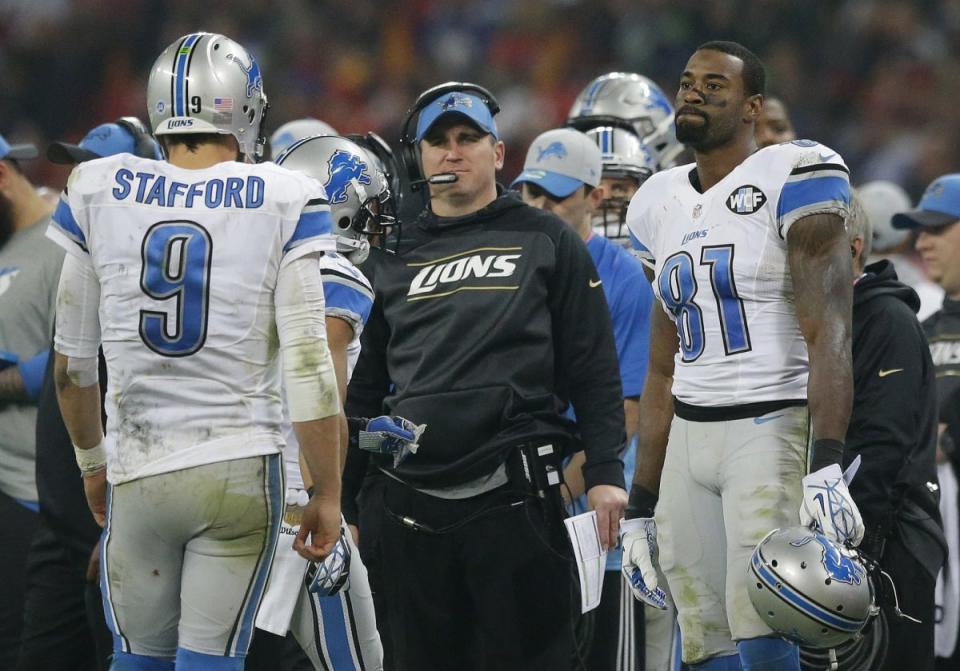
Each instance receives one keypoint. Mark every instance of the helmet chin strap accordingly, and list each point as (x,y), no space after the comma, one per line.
(355,250)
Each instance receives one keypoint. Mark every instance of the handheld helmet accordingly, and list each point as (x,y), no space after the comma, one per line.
(295,130)
(810,589)
(360,200)
(633,102)
(623,155)
(207,83)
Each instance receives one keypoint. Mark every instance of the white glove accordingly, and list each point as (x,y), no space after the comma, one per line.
(828,506)
(329,576)
(639,540)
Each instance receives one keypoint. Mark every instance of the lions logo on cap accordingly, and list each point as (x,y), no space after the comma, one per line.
(455,100)
(553,149)
(344,167)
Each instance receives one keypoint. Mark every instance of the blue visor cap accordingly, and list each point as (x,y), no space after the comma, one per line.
(553,183)
(106,139)
(939,206)
(16,151)
(457,102)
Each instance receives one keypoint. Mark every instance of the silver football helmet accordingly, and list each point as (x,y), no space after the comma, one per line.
(810,589)
(207,83)
(295,130)
(360,199)
(623,155)
(631,100)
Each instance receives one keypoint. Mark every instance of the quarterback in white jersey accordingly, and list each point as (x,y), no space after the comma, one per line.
(187,261)
(752,274)
(199,277)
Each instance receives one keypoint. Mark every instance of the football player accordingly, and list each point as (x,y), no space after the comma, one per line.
(295,130)
(774,125)
(752,270)
(631,120)
(196,274)
(339,631)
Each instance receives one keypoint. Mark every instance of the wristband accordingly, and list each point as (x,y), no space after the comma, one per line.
(641,502)
(93,459)
(354,426)
(826,451)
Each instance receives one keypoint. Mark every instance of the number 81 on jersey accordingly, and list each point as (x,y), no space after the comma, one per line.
(677,283)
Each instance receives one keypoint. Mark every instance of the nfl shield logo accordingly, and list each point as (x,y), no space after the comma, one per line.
(697,210)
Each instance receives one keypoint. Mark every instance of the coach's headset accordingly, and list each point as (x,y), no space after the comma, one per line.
(409,151)
(144,145)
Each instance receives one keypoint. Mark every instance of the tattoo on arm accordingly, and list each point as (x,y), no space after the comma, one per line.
(822,270)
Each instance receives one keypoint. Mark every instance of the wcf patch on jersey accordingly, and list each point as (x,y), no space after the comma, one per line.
(746,199)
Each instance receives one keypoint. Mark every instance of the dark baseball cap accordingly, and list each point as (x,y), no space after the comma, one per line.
(17,151)
(106,139)
(939,206)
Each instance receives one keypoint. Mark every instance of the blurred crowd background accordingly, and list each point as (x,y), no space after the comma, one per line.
(877,80)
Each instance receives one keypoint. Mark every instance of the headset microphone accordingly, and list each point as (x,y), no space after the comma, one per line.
(439,178)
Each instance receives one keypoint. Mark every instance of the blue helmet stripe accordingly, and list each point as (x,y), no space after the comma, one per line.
(800,602)
(591,96)
(180,73)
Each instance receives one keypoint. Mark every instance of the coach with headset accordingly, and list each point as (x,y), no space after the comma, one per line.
(488,321)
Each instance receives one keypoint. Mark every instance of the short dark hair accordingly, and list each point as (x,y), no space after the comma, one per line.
(192,141)
(754,74)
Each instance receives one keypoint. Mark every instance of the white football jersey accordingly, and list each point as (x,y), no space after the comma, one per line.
(187,262)
(720,259)
(348,295)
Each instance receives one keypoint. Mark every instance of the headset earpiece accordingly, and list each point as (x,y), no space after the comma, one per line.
(409,152)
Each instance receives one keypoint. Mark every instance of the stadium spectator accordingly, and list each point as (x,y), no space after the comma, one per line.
(486,324)
(29,269)
(893,427)
(938,240)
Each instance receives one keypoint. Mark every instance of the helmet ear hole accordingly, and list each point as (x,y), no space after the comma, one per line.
(343,223)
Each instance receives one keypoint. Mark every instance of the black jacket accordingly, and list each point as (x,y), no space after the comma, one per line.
(943,331)
(894,421)
(485,328)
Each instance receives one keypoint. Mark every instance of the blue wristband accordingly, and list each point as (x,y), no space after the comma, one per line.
(32,371)
(8,359)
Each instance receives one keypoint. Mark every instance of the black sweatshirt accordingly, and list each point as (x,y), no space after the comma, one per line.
(485,328)
(894,421)
(943,331)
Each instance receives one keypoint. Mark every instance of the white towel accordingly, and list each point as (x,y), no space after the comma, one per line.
(286,577)
(948,582)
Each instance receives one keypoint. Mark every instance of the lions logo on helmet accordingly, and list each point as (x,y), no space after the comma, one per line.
(254,80)
(810,589)
(836,564)
(360,199)
(344,167)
